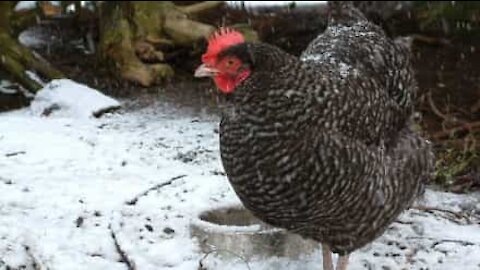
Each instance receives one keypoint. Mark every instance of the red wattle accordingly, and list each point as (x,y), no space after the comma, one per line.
(227,84)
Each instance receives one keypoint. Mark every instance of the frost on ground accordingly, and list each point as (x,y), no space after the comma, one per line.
(71,198)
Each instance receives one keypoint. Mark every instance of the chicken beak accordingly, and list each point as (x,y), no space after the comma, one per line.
(205,71)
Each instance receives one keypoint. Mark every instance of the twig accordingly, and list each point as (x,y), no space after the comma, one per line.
(433,209)
(468,143)
(403,222)
(465,127)
(440,241)
(434,108)
(157,186)
(123,255)
(15,154)
(464,243)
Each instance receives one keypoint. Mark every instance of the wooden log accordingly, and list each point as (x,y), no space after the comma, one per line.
(132,35)
(17,59)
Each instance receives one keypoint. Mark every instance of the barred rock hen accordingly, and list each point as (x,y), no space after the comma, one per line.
(321,145)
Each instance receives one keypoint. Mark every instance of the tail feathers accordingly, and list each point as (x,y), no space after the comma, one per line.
(414,157)
(344,12)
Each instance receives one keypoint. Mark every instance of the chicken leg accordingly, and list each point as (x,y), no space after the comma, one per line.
(342,262)
(327,258)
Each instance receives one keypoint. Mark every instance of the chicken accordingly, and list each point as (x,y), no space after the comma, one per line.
(321,145)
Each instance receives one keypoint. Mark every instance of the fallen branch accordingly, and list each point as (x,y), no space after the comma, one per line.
(156,187)
(17,70)
(16,59)
(123,255)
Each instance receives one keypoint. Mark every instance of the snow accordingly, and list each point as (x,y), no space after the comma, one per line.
(65,181)
(33,76)
(66,98)
(33,40)
(5,88)
(25,5)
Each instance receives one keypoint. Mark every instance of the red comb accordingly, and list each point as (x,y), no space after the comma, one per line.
(220,40)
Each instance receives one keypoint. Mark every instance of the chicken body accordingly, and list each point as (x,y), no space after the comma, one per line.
(321,145)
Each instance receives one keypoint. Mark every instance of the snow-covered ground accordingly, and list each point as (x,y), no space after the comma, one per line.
(65,182)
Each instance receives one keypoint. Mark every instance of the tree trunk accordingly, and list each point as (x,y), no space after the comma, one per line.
(16,59)
(133,34)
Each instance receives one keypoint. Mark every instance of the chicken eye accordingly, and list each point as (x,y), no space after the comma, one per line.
(230,62)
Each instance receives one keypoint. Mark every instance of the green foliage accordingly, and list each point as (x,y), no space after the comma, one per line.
(451,17)
(452,164)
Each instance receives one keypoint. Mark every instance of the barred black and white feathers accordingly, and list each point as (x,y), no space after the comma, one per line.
(321,145)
